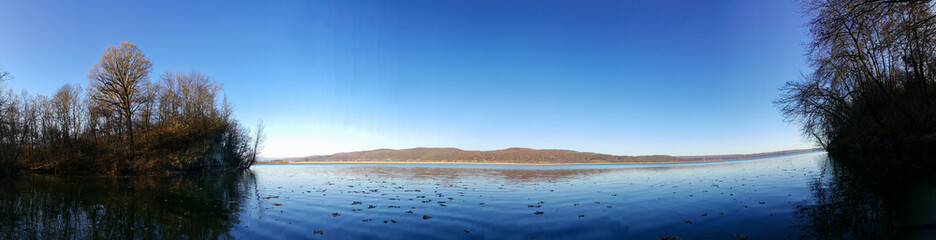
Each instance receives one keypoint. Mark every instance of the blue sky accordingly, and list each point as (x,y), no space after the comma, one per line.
(635,77)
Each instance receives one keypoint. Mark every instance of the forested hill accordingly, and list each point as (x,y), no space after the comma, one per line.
(727,157)
(510,155)
(516,156)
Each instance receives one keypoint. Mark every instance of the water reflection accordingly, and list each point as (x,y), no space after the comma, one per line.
(172,207)
(872,196)
(758,199)
(433,201)
(513,173)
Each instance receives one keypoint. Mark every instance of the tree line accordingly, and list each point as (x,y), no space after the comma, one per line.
(123,123)
(873,81)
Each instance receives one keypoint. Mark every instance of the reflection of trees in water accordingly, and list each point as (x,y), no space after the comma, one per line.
(179,206)
(520,175)
(870,196)
(512,175)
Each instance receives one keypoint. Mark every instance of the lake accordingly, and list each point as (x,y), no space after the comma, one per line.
(771,198)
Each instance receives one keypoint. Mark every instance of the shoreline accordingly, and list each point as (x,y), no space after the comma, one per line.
(532,164)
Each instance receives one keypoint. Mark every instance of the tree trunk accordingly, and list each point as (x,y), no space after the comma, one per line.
(129,117)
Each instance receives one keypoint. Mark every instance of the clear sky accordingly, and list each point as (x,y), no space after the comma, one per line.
(618,77)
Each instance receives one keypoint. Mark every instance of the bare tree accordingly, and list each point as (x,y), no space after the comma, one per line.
(67,110)
(119,80)
(4,75)
(873,83)
(259,137)
(188,97)
(8,118)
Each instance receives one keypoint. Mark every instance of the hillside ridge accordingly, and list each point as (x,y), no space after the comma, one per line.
(514,155)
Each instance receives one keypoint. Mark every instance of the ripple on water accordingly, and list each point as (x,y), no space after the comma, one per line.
(494,202)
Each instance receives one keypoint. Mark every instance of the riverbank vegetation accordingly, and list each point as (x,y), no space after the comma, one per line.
(873,83)
(123,123)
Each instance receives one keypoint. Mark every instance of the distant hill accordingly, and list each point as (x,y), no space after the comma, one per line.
(514,155)
(510,155)
(749,156)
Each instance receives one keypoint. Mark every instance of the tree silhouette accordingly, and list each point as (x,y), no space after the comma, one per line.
(873,84)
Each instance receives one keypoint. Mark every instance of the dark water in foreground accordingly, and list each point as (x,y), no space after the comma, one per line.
(793,197)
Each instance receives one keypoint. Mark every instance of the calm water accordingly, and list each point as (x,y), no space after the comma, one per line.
(774,198)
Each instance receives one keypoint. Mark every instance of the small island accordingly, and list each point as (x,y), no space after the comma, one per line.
(122,123)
